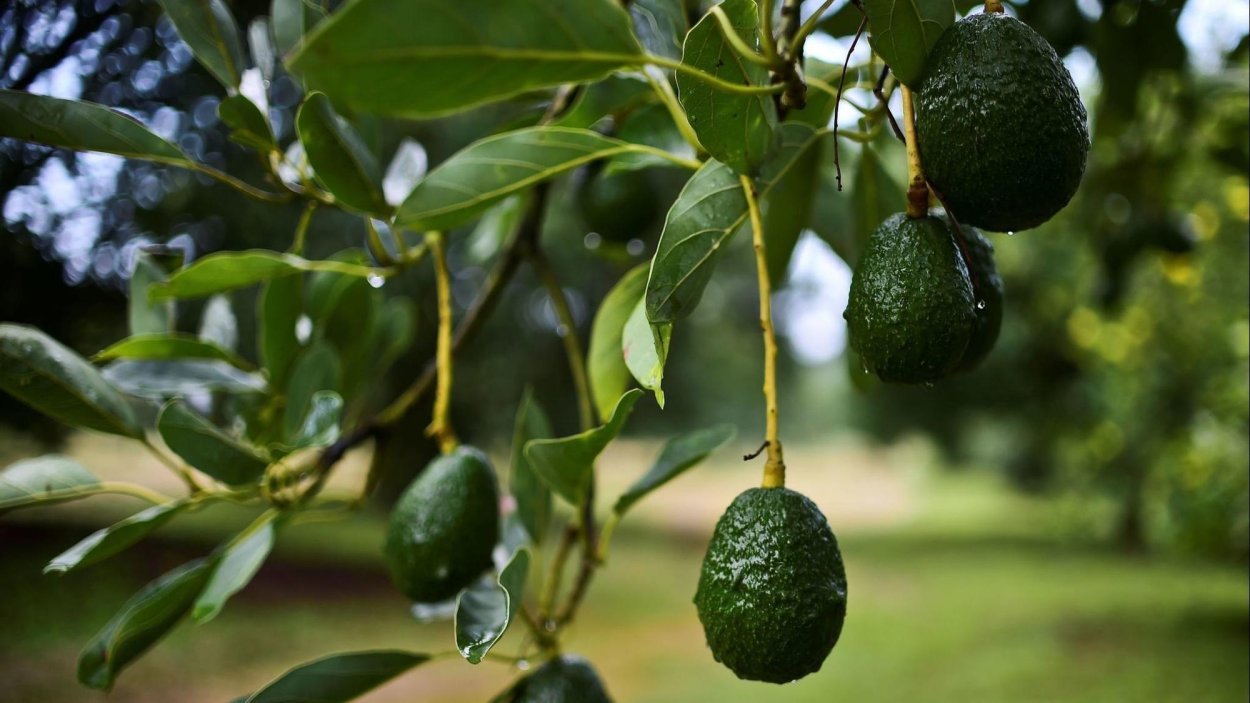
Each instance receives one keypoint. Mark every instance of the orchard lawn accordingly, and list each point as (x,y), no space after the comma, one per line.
(959,590)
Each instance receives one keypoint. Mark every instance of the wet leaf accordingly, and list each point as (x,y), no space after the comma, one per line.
(202,445)
(107,542)
(567,464)
(484,610)
(44,480)
(339,158)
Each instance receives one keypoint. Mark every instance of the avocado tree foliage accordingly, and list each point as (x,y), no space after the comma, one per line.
(722,92)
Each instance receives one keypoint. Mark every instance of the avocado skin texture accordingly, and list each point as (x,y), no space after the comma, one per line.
(988,289)
(911,312)
(772,594)
(1001,129)
(443,528)
(565,679)
(618,206)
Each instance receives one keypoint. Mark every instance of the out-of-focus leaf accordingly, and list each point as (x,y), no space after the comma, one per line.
(42,373)
(789,201)
(533,498)
(420,58)
(605,362)
(320,427)
(876,196)
(644,347)
(143,620)
(207,448)
(248,125)
(679,454)
(660,25)
(237,564)
(340,160)
(278,310)
(165,347)
(337,678)
(165,379)
(651,125)
(567,464)
(228,270)
(617,93)
(44,480)
(145,316)
(210,31)
(484,610)
(736,130)
(104,543)
(292,20)
(317,369)
(903,32)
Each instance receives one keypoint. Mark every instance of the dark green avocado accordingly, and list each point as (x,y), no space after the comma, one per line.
(565,679)
(619,206)
(987,288)
(772,594)
(443,528)
(1002,132)
(911,312)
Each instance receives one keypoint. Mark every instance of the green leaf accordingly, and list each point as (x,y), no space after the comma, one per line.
(831,212)
(43,481)
(210,31)
(238,563)
(484,610)
(102,544)
(679,454)
(736,130)
(338,677)
(228,270)
(876,196)
(164,347)
(143,620)
(659,25)
(493,168)
(644,348)
(159,380)
(344,312)
(340,160)
(789,202)
(533,498)
(317,369)
(40,372)
(420,58)
(278,311)
(612,95)
(567,464)
(202,445)
(653,126)
(145,316)
(248,125)
(320,427)
(903,32)
(393,332)
(292,20)
(605,362)
(709,209)
(82,126)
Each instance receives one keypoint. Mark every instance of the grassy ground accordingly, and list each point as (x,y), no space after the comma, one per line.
(959,591)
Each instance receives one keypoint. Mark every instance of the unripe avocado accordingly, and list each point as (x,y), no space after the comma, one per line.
(444,527)
(772,594)
(618,206)
(565,679)
(1001,129)
(987,287)
(911,311)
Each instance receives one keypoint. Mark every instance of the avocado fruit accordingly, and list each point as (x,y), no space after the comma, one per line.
(911,312)
(564,679)
(444,527)
(1000,126)
(618,206)
(987,288)
(772,593)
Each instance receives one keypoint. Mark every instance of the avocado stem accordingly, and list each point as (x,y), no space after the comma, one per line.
(440,427)
(775,467)
(994,6)
(917,189)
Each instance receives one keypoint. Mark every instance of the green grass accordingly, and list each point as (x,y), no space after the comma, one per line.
(974,594)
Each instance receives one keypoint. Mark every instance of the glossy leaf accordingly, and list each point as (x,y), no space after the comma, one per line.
(338,677)
(644,347)
(679,454)
(229,270)
(164,347)
(210,31)
(248,125)
(143,620)
(82,126)
(790,198)
(339,158)
(567,464)
(420,58)
(660,25)
(159,380)
(44,480)
(202,445)
(653,126)
(533,498)
(484,609)
(493,168)
(107,542)
(612,95)
(238,563)
(605,362)
(47,376)
(292,20)
(317,369)
(903,32)
(320,427)
(278,311)
(145,316)
(736,130)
